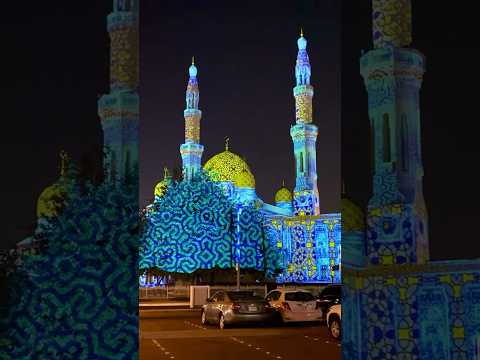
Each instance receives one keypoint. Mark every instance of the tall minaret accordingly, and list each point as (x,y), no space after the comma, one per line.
(397,220)
(191,150)
(119,110)
(304,135)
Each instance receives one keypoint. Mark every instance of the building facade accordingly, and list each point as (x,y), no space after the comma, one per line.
(307,241)
(397,303)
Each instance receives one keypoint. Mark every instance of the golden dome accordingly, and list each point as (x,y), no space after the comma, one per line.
(162,186)
(52,199)
(227,166)
(352,216)
(283,195)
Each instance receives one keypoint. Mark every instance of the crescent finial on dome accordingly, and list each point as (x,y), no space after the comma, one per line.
(227,139)
(63,162)
(301,31)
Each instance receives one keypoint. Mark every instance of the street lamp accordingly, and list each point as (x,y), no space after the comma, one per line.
(237,267)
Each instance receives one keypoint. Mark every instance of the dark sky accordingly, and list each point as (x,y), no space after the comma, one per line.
(446,34)
(54,63)
(245,53)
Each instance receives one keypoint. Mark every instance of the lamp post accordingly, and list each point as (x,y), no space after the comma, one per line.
(237,267)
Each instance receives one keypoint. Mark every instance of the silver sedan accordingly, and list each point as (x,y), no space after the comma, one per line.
(234,307)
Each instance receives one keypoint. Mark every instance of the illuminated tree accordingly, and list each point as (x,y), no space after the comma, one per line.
(194,226)
(78,298)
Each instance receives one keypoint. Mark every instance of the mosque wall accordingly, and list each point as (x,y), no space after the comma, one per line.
(429,311)
(309,247)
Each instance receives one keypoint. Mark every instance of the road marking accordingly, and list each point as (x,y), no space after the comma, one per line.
(268,353)
(165,352)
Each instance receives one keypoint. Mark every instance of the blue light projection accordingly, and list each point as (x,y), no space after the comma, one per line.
(78,298)
(195,226)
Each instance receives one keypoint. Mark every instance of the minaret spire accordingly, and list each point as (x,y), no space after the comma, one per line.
(192,150)
(304,136)
(393,75)
(119,110)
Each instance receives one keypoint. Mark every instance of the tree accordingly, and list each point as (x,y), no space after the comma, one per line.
(78,298)
(194,226)
(189,228)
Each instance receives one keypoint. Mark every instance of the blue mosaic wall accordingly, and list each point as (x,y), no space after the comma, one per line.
(414,312)
(309,247)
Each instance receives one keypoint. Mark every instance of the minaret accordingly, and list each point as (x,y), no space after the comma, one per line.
(119,110)
(191,150)
(304,135)
(392,72)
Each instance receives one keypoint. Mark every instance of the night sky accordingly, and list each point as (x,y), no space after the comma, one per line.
(446,34)
(245,53)
(55,63)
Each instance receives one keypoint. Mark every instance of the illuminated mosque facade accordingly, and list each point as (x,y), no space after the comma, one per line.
(308,241)
(396,302)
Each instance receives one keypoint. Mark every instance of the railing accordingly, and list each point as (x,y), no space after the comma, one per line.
(182,292)
(165,292)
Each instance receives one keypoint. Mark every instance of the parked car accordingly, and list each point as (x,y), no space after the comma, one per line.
(334,321)
(331,295)
(295,305)
(234,307)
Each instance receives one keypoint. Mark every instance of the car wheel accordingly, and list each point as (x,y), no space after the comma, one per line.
(221,322)
(204,318)
(335,328)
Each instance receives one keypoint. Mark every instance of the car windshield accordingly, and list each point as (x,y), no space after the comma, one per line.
(299,296)
(242,295)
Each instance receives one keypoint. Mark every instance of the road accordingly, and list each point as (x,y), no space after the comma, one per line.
(179,335)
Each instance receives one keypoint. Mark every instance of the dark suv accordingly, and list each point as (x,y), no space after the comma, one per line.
(329,296)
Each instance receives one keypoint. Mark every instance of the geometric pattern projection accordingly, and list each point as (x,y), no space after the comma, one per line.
(78,299)
(424,312)
(309,247)
(195,226)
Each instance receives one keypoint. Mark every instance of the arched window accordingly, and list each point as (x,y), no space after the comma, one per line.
(386,138)
(404,142)
(301,162)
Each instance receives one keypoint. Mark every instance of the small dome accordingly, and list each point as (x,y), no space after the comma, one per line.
(283,195)
(161,188)
(227,166)
(51,200)
(302,43)
(352,216)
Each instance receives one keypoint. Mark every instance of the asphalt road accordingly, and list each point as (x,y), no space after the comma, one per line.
(179,335)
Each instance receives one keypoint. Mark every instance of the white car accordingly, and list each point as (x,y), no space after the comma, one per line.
(295,305)
(334,321)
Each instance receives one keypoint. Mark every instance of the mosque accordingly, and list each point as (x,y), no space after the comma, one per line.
(396,302)
(308,241)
